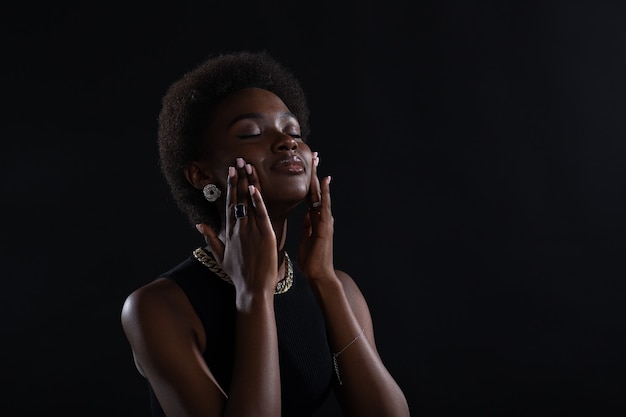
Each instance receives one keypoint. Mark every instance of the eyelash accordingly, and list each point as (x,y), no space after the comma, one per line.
(293,135)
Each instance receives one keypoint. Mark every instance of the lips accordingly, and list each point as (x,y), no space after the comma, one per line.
(291,164)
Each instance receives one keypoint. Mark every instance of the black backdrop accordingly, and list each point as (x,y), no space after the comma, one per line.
(477,152)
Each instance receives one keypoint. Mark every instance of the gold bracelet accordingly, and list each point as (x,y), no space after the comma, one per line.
(336,355)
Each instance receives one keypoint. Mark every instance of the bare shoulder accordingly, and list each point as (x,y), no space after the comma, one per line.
(352,290)
(357,301)
(159,296)
(152,311)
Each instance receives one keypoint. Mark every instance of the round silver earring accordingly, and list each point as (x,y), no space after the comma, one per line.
(211,192)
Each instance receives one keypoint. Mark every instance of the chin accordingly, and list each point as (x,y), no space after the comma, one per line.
(286,193)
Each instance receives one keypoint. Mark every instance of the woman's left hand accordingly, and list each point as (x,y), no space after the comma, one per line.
(315,252)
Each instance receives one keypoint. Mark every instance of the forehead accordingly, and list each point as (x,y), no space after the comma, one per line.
(251,100)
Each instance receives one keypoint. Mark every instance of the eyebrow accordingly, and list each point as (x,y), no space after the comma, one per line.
(283,115)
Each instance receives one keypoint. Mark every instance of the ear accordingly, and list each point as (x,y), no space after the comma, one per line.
(197,176)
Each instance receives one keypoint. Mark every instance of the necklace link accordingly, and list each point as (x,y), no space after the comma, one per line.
(207,259)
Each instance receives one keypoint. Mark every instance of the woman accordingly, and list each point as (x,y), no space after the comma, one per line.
(237,329)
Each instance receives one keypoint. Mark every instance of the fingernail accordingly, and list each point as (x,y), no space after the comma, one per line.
(231,172)
(249,168)
(239,162)
(199,227)
(251,189)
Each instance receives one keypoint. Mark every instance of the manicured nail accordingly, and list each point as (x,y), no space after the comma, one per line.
(239,162)
(199,227)
(249,169)
(251,189)
(231,172)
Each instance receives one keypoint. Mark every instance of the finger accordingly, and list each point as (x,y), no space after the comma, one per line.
(306,226)
(314,196)
(206,230)
(252,181)
(213,241)
(231,197)
(260,211)
(253,178)
(242,181)
(325,185)
(241,207)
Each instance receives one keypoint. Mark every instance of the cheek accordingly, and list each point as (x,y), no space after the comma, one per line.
(219,168)
(222,158)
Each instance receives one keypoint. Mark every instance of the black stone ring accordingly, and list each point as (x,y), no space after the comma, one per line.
(240,211)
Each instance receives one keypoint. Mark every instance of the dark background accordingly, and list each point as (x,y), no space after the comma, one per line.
(477,153)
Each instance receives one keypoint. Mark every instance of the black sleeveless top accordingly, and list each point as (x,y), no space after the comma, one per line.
(304,354)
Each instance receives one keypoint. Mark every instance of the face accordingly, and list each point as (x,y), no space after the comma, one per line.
(255,124)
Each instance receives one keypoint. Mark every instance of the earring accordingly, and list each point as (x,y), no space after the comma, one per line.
(211,192)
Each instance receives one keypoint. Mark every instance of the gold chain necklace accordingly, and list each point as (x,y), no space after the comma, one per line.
(207,259)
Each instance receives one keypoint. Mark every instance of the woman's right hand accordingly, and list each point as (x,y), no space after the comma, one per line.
(248,250)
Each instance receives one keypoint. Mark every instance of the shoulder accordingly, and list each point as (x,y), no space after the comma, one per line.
(357,302)
(160,295)
(350,287)
(153,310)
(354,295)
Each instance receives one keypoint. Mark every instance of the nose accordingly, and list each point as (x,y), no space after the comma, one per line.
(285,142)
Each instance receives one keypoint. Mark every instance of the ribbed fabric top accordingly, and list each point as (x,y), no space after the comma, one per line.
(304,354)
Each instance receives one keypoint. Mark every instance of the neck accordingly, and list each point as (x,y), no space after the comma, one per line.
(280,230)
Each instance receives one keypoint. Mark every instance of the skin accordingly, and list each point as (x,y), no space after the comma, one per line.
(250,131)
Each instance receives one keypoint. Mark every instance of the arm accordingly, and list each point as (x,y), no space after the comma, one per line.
(167,342)
(168,339)
(367,388)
